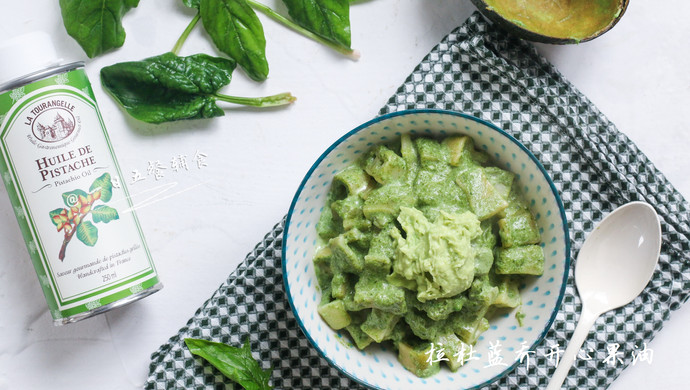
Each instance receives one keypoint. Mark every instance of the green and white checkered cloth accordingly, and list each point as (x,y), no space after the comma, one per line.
(479,70)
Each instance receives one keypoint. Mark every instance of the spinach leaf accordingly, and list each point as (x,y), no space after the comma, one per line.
(192,3)
(168,87)
(237,32)
(329,19)
(96,25)
(235,363)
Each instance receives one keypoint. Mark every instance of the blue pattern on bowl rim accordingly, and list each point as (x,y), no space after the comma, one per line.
(377,367)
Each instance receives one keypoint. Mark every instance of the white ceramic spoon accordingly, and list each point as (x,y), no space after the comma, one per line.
(613,267)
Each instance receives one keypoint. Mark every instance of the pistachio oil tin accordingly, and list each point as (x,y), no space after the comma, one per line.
(62,178)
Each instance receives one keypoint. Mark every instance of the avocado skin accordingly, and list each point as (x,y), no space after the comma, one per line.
(520,32)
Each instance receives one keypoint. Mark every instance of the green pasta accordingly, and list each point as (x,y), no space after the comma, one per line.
(423,240)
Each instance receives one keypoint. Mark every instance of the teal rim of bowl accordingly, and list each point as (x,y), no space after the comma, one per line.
(566,233)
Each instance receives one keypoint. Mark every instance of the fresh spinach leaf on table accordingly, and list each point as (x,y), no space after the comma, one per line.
(329,19)
(235,363)
(96,25)
(192,3)
(236,31)
(168,88)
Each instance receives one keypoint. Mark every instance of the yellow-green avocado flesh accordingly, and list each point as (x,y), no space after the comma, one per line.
(565,19)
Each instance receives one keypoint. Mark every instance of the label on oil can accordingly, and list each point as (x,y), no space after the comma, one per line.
(62,178)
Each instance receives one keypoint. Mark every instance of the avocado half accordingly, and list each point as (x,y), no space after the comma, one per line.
(554,21)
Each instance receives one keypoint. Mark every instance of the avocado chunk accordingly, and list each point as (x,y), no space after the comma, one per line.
(508,291)
(334,314)
(485,201)
(379,324)
(361,339)
(524,260)
(455,350)
(518,229)
(416,359)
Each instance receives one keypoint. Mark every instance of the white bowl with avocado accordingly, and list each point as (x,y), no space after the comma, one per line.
(426,249)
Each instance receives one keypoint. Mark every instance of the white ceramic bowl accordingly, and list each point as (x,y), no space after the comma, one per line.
(378,367)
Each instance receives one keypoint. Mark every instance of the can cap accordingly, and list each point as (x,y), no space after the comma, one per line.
(26,54)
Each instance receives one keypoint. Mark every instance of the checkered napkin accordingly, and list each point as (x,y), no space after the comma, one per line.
(484,72)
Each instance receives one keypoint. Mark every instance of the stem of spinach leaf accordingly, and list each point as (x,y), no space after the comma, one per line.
(353,54)
(280,99)
(185,34)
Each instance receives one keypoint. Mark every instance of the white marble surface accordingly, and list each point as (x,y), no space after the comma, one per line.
(637,74)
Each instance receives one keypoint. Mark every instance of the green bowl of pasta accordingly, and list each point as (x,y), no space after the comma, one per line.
(426,249)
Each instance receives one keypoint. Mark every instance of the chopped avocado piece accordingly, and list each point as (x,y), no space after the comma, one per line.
(408,151)
(463,153)
(349,302)
(334,314)
(518,229)
(515,203)
(340,285)
(484,248)
(417,359)
(455,350)
(361,339)
(483,260)
(459,148)
(469,331)
(508,291)
(484,200)
(523,260)
(380,324)
(500,179)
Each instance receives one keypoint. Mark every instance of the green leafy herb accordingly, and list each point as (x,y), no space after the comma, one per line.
(168,88)
(235,363)
(192,3)
(96,25)
(344,49)
(327,18)
(237,32)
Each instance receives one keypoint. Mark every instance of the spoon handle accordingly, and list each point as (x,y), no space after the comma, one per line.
(587,319)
